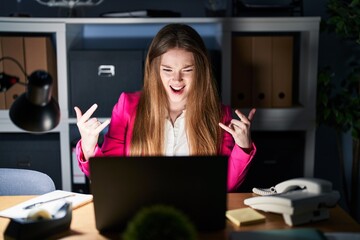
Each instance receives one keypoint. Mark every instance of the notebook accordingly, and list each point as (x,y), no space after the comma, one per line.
(195,185)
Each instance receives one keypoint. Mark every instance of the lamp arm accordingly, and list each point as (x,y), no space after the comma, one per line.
(18,64)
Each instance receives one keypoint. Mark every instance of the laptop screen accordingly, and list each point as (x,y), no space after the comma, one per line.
(195,185)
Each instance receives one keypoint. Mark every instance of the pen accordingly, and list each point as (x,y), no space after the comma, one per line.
(51,200)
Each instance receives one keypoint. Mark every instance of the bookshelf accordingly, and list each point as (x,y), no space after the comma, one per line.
(71,34)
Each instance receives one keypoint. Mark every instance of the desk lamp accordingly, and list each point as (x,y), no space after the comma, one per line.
(35,110)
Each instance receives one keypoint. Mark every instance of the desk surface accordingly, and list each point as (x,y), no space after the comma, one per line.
(83,220)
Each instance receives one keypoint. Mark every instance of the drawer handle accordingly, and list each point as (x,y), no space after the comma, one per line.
(270,162)
(23,164)
(106,71)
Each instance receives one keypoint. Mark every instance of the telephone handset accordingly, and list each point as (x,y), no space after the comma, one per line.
(314,185)
(300,200)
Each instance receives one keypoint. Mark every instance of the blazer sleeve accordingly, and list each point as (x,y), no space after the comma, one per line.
(117,138)
(239,160)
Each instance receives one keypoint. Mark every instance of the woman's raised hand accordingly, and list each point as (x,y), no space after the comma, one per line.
(89,128)
(240,129)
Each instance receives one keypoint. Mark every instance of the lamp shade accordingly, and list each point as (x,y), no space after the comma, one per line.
(36,110)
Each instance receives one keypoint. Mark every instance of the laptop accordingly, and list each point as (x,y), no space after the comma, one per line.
(195,185)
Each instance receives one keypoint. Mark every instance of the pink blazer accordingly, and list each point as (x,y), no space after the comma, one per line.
(117,141)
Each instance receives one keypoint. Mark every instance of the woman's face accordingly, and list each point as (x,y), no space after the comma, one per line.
(177,71)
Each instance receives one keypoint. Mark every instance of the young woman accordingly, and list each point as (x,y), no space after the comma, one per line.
(178,111)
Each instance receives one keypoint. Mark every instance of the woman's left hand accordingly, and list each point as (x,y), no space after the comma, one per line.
(240,129)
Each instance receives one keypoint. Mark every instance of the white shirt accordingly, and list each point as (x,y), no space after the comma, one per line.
(176,142)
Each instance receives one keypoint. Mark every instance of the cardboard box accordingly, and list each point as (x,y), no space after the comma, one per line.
(13,46)
(12,93)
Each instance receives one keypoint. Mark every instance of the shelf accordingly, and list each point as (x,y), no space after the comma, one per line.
(136,33)
(283,119)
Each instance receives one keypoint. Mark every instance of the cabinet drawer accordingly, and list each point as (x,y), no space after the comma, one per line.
(101,76)
(279,157)
(31,151)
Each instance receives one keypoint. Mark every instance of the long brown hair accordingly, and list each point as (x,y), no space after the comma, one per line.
(203,107)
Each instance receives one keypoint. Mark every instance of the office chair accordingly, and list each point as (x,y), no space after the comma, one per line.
(24,182)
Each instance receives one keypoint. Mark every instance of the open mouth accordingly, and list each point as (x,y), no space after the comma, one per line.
(176,89)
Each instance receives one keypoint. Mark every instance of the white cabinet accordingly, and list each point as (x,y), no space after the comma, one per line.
(129,33)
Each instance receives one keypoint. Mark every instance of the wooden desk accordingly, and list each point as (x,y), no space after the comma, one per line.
(83,220)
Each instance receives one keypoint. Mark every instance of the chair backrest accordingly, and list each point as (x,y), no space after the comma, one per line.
(24,182)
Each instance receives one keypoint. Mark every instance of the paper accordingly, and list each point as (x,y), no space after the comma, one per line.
(20,211)
(244,216)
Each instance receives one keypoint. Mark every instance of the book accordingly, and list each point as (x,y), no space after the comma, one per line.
(47,201)
(244,216)
(142,13)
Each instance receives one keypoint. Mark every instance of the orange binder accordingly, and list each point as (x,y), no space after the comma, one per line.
(2,100)
(241,72)
(262,71)
(282,71)
(1,55)
(2,94)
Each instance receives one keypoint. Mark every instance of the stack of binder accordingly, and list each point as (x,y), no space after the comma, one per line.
(262,71)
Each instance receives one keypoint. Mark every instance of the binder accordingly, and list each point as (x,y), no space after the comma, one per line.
(282,47)
(2,100)
(2,94)
(1,55)
(13,47)
(40,55)
(241,72)
(262,71)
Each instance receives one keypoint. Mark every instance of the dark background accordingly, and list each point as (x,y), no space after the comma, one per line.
(187,8)
(331,52)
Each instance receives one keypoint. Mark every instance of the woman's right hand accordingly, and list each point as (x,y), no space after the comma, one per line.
(89,129)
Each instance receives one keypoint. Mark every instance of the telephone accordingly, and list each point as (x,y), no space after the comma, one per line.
(299,200)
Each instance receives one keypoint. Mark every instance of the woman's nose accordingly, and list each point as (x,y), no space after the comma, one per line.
(177,76)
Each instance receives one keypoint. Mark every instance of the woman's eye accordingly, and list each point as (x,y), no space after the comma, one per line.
(167,69)
(188,70)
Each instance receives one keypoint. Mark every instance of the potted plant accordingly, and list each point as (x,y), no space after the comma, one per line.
(338,105)
(160,222)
